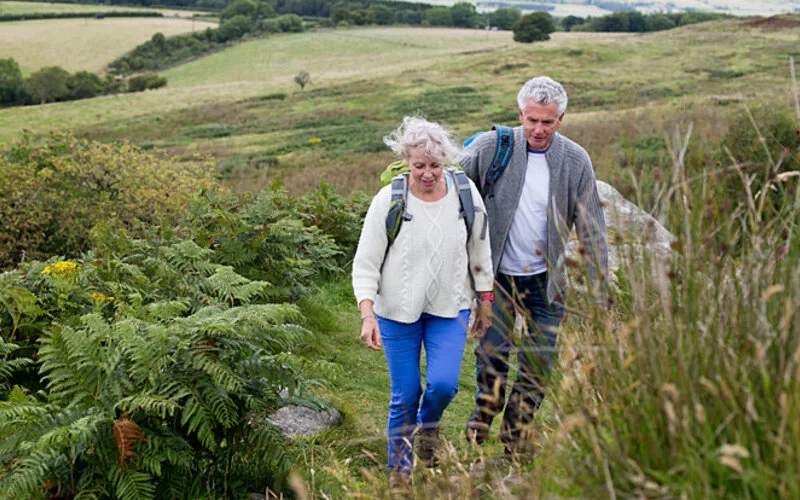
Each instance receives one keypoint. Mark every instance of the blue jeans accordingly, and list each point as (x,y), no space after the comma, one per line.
(443,339)
(535,349)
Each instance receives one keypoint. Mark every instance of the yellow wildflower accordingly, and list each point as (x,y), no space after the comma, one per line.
(63,267)
(100,297)
(314,140)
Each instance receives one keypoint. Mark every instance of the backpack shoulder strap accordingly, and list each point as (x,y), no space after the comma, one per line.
(505,144)
(398,207)
(461,182)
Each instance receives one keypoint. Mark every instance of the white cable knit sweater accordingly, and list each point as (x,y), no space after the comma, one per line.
(426,267)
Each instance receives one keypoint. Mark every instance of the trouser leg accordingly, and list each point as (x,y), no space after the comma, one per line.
(444,340)
(536,351)
(402,344)
(491,359)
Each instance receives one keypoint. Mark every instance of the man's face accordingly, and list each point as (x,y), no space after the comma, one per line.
(540,122)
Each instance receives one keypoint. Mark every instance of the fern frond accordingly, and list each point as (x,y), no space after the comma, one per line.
(131,484)
(30,472)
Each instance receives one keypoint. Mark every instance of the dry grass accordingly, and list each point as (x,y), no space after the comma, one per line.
(83,44)
(7,8)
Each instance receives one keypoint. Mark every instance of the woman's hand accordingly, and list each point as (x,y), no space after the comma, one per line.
(371,333)
(483,318)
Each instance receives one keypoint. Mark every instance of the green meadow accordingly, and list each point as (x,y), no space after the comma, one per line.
(688,387)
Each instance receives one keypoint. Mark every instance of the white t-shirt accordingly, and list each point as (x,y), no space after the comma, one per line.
(529,228)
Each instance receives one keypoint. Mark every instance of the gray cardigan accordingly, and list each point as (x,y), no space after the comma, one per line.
(573,198)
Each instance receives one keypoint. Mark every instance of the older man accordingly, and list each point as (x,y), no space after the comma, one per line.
(547,188)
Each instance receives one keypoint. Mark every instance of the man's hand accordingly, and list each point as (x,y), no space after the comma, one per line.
(371,333)
(483,319)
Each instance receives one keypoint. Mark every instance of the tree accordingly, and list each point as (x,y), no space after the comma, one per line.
(233,28)
(84,85)
(383,15)
(534,27)
(570,21)
(659,22)
(340,15)
(464,15)
(239,8)
(48,84)
(438,16)
(302,79)
(11,82)
(504,19)
(265,11)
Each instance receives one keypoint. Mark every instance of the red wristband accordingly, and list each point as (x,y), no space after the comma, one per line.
(487,296)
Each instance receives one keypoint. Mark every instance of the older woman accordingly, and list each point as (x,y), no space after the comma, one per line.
(416,291)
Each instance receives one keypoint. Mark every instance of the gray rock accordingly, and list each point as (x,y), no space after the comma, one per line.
(299,421)
(631,230)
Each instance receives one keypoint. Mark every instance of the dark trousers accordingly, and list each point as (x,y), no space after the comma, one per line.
(535,350)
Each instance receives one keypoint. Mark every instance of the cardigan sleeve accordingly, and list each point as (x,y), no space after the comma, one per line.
(591,231)
(479,250)
(371,250)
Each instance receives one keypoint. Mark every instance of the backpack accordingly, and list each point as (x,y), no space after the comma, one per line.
(505,145)
(398,210)
(397,174)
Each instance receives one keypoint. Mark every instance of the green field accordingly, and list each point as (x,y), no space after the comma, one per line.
(16,8)
(83,44)
(225,105)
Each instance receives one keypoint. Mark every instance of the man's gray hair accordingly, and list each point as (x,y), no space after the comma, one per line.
(543,90)
(417,132)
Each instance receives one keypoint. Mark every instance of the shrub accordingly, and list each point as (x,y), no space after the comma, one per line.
(154,371)
(146,81)
(53,194)
(234,28)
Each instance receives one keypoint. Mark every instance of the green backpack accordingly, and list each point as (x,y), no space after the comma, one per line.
(397,174)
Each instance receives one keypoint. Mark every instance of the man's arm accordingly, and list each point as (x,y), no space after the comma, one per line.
(591,231)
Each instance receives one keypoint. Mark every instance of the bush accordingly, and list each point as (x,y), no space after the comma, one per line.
(11,82)
(84,85)
(534,27)
(233,29)
(154,371)
(146,81)
(53,194)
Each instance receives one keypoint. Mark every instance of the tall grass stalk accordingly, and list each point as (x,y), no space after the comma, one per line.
(692,386)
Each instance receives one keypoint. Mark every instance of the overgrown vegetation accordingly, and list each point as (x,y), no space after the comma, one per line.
(53,194)
(146,366)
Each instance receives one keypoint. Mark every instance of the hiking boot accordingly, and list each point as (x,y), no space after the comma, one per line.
(478,426)
(427,446)
(399,481)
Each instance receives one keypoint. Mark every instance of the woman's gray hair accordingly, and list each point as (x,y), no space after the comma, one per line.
(417,132)
(543,90)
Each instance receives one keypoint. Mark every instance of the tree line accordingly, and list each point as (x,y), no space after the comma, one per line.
(54,83)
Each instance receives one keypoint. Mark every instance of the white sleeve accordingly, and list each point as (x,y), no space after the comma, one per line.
(479,249)
(372,247)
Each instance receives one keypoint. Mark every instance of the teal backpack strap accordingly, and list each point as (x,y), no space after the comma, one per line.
(505,144)
(398,207)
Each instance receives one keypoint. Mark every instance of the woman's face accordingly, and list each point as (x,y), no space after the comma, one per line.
(426,172)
